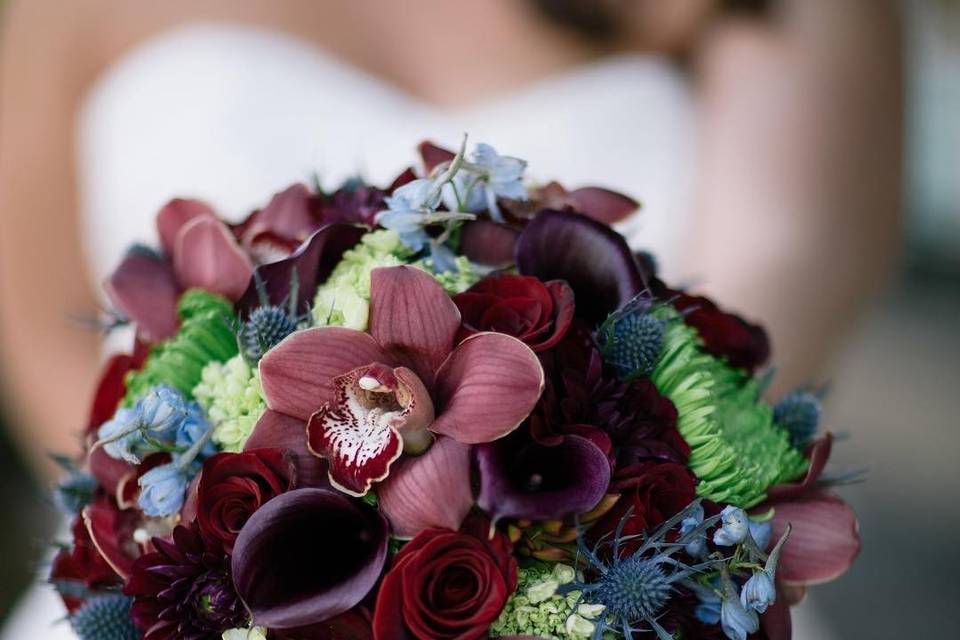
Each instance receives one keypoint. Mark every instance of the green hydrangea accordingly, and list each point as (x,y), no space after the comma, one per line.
(253,633)
(231,395)
(736,451)
(204,336)
(537,609)
(344,299)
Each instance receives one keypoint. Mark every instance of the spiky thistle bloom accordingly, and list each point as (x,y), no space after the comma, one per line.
(635,587)
(268,324)
(105,617)
(631,338)
(799,414)
(736,451)
(184,590)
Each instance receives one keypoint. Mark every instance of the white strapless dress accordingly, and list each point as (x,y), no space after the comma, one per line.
(233,114)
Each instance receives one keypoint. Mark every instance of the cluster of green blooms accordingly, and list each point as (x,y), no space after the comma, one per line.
(253,633)
(204,336)
(230,394)
(344,299)
(537,609)
(736,450)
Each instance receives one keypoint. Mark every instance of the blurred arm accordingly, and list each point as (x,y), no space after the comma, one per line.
(798,216)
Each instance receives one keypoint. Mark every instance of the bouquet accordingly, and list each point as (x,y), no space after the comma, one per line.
(456,407)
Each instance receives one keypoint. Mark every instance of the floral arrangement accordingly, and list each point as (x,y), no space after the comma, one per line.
(457,407)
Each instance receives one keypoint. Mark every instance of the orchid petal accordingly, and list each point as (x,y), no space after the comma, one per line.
(174,215)
(306,556)
(208,257)
(275,429)
(288,215)
(432,490)
(775,621)
(593,258)
(413,318)
(602,204)
(486,388)
(297,375)
(488,243)
(539,482)
(312,262)
(824,541)
(144,289)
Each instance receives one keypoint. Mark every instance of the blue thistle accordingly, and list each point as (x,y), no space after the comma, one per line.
(631,338)
(105,617)
(634,588)
(268,324)
(798,413)
(75,491)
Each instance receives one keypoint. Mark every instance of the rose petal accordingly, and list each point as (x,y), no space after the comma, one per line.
(824,541)
(275,429)
(413,318)
(307,556)
(297,375)
(312,261)
(537,482)
(818,453)
(602,204)
(144,289)
(174,215)
(488,243)
(486,388)
(432,490)
(207,256)
(593,258)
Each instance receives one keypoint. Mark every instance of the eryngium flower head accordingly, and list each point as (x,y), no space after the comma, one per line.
(631,339)
(799,413)
(263,330)
(184,590)
(105,617)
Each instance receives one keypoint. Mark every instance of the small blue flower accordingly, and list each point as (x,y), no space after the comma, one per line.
(408,210)
(500,176)
(697,547)
(161,410)
(121,434)
(734,525)
(759,592)
(707,610)
(192,429)
(162,490)
(736,621)
(761,532)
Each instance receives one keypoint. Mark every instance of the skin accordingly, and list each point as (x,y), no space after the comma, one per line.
(799,182)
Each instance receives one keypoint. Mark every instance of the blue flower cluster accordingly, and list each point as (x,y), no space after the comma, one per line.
(163,421)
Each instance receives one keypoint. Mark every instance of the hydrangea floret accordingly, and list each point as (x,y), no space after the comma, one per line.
(231,395)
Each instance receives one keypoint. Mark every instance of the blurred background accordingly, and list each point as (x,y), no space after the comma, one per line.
(894,383)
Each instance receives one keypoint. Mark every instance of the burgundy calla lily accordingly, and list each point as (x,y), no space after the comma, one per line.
(520,478)
(306,556)
(593,258)
(366,396)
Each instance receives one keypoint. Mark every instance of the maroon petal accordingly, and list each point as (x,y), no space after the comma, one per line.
(275,429)
(533,481)
(208,257)
(818,453)
(413,318)
(775,621)
(105,524)
(308,555)
(312,262)
(144,289)
(488,243)
(354,624)
(109,472)
(298,374)
(486,388)
(288,215)
(824,541)
(174,215)
(432,490)
(602,204)
(432,155)
(593,258)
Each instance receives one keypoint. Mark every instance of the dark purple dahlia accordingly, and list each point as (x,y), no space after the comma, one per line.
(183,590)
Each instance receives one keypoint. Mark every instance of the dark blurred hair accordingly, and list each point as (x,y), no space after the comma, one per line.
(599,20)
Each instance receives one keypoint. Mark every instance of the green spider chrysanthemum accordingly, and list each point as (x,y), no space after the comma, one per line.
(204,336)
(736,451)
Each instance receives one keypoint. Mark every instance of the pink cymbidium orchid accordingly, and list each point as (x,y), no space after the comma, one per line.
(365,398)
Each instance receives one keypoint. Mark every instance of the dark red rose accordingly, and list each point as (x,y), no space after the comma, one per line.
(446,584)
(537,313)
(725,335)
(234,485)
(80,567)
(655,491)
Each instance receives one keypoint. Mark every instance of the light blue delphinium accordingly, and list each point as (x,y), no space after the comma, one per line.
(760,590)
(761,532)
(408,211)
(697,547)
(163,489)
(194,428)
(736,620)
(121,434)
(734,527)
(496,176)
(162,410)
(133,433)
(707,610)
